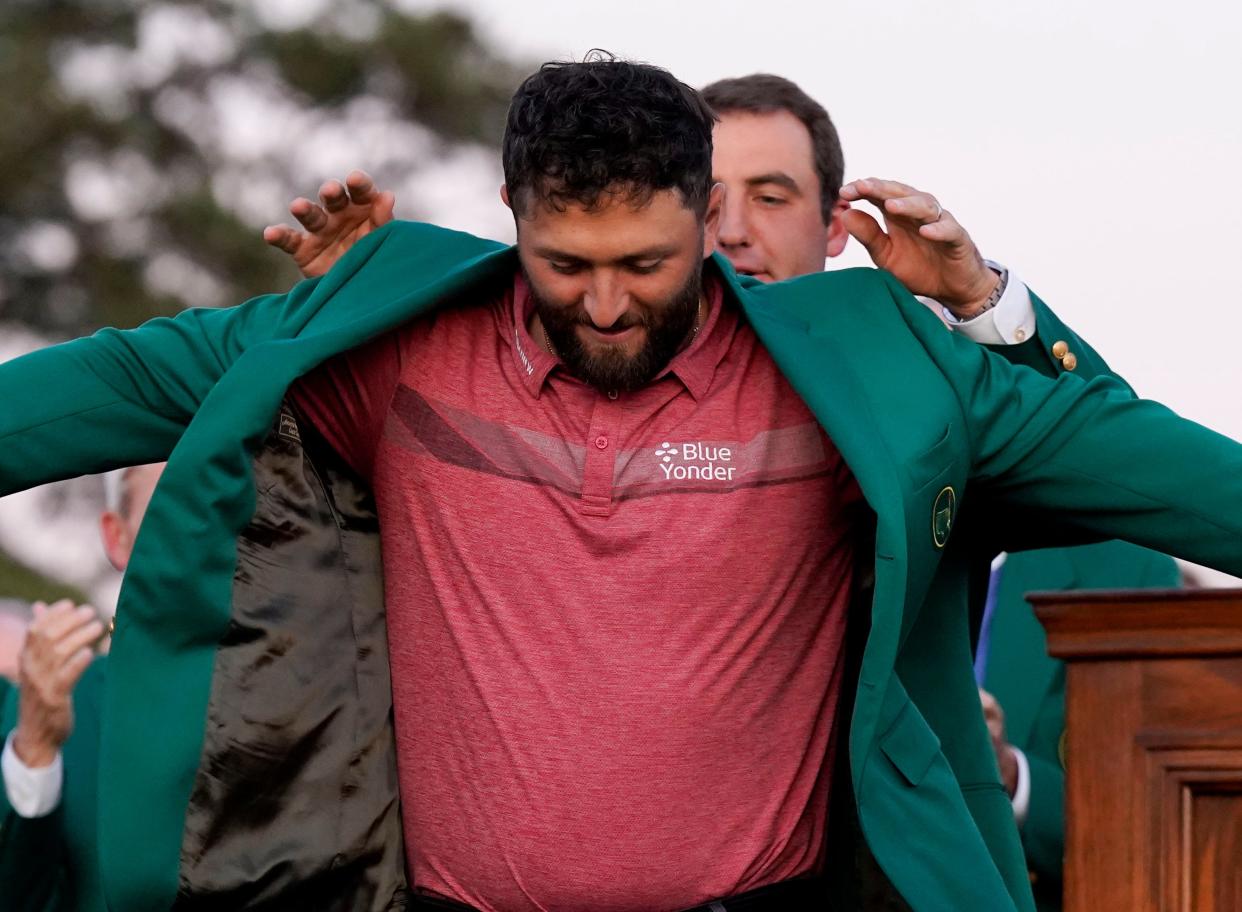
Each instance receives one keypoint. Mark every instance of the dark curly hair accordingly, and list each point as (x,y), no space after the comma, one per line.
(587,132)
(763,93)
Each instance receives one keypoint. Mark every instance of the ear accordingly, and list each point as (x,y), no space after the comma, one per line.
(116,539)
(711,221)
(837,234)
(504,195)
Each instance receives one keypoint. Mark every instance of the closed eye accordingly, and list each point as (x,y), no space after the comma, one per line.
(644,267)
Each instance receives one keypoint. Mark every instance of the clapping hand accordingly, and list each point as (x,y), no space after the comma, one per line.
(58,648)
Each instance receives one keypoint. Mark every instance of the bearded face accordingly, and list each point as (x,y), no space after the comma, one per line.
(617,284)
(628,354)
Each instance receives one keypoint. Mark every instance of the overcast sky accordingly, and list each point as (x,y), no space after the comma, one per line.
(1092,147)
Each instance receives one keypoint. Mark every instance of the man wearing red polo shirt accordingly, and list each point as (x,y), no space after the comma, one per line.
(622,434)
(625,428)
(551,399)
(614,682)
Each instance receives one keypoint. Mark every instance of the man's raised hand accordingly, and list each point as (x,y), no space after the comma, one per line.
(344,214)
(925,247)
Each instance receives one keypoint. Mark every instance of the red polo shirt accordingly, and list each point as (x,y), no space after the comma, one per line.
(615,621)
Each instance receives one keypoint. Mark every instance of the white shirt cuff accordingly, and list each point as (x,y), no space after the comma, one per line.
(32,791)
(1010,322)
(1022,794)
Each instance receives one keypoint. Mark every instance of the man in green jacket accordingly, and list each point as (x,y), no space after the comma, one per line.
(49,857)
(255,659)
(48,839)
(778,156)
(769,144)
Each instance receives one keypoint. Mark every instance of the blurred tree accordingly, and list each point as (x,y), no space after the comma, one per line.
(143,144)
(25,585)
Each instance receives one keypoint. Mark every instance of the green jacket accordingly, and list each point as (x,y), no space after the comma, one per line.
(52,863)
(1030,685)
(248,748)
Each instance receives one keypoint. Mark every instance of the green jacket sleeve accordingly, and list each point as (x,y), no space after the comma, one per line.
(122,397)
(1073,460)
(32,851)
(987,521)
(1036,352)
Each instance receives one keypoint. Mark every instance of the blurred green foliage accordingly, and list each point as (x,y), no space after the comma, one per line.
(25,585)
(140,118)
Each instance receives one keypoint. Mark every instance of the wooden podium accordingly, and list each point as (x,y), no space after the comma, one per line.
(1153,748)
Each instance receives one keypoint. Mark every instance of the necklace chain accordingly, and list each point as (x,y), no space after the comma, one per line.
(547,341)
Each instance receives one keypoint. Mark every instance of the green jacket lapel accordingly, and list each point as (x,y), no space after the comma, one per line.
(866,377)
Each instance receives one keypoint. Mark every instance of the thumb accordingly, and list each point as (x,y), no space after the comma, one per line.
(867,231)
(381,209)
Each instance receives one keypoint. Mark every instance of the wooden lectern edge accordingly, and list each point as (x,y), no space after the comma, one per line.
(1153,737)
(1116,624)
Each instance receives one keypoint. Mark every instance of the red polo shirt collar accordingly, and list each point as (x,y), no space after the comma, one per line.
(695,365)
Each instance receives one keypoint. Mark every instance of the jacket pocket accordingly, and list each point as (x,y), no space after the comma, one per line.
(927,466)
(911,745)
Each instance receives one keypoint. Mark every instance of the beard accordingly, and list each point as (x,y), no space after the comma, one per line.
(611,368)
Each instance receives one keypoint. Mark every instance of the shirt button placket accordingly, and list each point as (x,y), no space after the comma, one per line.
(601,457)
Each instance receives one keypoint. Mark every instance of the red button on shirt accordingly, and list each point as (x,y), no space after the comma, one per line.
(601,442)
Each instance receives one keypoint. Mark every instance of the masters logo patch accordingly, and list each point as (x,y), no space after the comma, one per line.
(944,512)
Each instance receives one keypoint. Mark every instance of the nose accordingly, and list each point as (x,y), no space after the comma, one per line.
(605,300)
(734,226)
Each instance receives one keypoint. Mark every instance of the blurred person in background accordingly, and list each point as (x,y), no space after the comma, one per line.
(50,728)
(779,157)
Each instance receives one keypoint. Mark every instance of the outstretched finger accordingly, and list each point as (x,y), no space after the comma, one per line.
(875,190)
(360,187)
(311,216)
(333,196)
(919,207)
(945,230)
(283,238)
